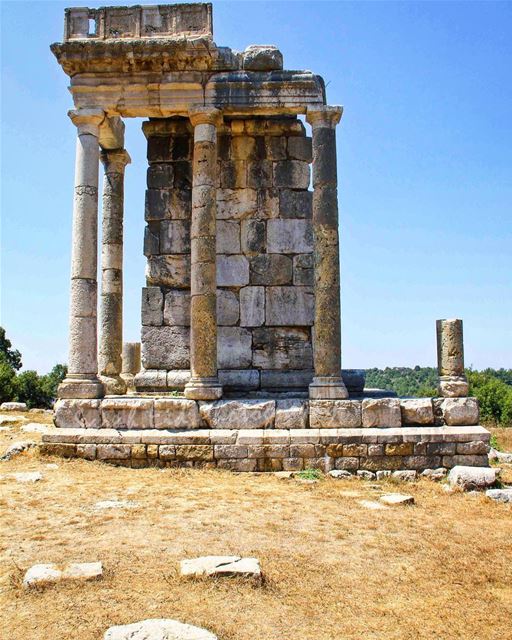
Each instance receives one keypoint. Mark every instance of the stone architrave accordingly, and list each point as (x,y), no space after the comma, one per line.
(450,359)
(328,382)
(111,300)
(82,380)
(204,383)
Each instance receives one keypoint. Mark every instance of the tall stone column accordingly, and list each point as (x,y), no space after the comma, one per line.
(131,363)
(204,383)
(327,382)
(450,359)
(81,380)
(111,300)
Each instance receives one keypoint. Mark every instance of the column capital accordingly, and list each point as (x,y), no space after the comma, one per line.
(324,116)
(205,115)
(115,160)
(87,120)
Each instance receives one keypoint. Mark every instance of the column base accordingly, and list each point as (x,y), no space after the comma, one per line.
(80,388)
(328,388)
(114,385)
(203,389)
(453,387)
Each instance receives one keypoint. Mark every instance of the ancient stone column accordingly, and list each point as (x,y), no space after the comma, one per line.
(81,380)
(327,382)
(450,359)
(111,300)
(131,363)
(204,383)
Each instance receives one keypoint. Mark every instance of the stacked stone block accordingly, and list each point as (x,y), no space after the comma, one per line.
(264,245)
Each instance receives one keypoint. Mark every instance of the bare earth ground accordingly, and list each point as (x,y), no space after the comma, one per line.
(334,570)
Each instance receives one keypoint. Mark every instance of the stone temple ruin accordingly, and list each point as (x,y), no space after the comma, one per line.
(241,329)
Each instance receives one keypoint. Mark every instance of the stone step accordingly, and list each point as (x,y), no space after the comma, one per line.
(372,449)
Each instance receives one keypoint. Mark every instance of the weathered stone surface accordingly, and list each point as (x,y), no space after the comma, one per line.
(453,388)
(228,236)
(435,474)
(239,379)
(228,308)
(405,475)
(13,406)
(113,451)
(259,174)
(473,448)
(239,414)
(282,348)
(232,271)
(293,379)
(177,379)
(500,495)
(253,237)
(77,413)
(295,204)
(158,629)
(331,414)
(235,204)
(151,380)
(127,413)
(292,174)
(460,411)
(271,269)
(340,474)
(221,566)
(152,306)
(289,306)
(291,414)
(35,427)
(303,270)
(174,236)
(417,411)
(289,236)
(165,347)
(396,499)
(450,348)
(501,456)
(382,412)
(168,271)
(177,308)
(160,176)
(42,575)
(472,478)
(234,347)
(300,148)
(262,57)
(176,413)
(252,306)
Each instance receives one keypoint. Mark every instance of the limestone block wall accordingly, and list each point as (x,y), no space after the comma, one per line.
(265,296)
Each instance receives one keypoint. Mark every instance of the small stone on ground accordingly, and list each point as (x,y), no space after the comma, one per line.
(339,474)
(13,406)
(366,475)
(225,566)
(435,474)
(405,475)
(471,478)
(15,449)
(158,629)
(27,476)
(500,456)
(42,575)
(500,495)
(393,499)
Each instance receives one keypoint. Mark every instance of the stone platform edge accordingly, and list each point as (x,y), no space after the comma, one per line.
(372,449)
(167,412)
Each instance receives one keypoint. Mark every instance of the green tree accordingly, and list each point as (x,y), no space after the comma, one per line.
(12,356)
(7,380)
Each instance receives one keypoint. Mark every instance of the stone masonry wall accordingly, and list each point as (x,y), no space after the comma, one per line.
(265,296)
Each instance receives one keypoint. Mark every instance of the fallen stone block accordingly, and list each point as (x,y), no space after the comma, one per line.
(340,474)
(365,475)
(394,499)
(13,406)
(222,566)
(500,495)
(435,474)
(42,575)
(472,478)
(158,629)
(7,420)
(500,456)
(15,449)
(405,475)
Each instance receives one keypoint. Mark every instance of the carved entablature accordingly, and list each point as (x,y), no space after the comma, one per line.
(107,23)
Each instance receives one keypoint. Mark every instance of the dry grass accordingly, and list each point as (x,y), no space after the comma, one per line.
(503,436)
(440,569)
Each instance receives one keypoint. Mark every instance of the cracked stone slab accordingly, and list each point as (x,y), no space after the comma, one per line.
(222,566)
(158,629)
(42,575)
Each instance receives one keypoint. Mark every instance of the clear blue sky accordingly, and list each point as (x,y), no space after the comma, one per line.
(424,162)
